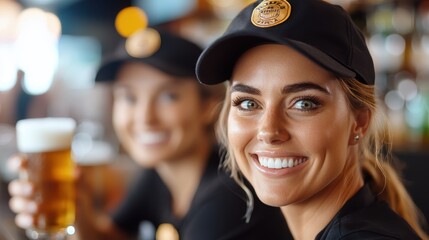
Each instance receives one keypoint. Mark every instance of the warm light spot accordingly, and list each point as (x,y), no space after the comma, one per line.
(129,20)
(167,232)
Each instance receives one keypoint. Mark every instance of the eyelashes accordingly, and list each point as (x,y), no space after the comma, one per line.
(307,103)
(245,104)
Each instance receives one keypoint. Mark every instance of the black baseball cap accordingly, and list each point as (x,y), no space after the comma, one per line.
(175,55)
(321,31)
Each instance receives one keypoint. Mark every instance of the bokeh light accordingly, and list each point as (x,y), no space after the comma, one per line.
(407,89)
(167,232)
(37,49)
(9,11)
(129,20)
(394,101)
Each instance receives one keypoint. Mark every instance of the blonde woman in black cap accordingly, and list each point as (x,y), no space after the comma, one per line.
(164,119)
(301,122)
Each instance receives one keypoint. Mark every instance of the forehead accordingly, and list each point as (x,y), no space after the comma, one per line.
(140,69)
(269,63)
(138,73)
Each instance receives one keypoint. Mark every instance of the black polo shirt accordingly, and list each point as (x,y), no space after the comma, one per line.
(217,210)
(364,217)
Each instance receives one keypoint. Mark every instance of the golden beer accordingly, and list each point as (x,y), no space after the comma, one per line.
(47,144)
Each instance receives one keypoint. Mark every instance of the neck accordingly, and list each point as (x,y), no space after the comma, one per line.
(182,177)
(306,219)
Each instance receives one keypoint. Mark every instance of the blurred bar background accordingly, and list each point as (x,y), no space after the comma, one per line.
(50,51)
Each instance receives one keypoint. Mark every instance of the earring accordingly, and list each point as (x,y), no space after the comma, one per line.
(357,137)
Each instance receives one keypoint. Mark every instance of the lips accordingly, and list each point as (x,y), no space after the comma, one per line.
(281,162)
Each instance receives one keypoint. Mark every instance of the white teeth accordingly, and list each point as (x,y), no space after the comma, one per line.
(284,163)
(278,163)
(270,163)
(151,137)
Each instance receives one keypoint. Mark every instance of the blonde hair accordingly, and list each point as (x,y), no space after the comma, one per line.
(229,163)
(214,93)
(376,156)
(375,152)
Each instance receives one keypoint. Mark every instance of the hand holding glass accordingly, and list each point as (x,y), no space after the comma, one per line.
(47,144)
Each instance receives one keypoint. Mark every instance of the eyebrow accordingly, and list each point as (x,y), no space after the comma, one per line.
(299,87)
(245,89)
(293,88)
(117,85)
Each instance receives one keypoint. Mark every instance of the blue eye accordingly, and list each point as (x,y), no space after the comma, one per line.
(169,96)
(130,99)
(245,104)
(306,104)
(248,105)
(125,97)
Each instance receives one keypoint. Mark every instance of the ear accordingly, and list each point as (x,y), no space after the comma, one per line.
(360,126)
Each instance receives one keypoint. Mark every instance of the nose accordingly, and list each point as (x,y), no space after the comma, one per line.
(272,128)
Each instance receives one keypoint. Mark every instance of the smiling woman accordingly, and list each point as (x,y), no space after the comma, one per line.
(301,123)
(157,117)
(301,118)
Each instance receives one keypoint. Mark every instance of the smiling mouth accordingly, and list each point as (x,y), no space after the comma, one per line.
(280,163)
(150,138)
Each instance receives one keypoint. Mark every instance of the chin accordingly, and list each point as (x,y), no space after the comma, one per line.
(145,162)
(271,200)
(271,196)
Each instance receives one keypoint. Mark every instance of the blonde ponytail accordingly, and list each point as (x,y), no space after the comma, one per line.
(376,160)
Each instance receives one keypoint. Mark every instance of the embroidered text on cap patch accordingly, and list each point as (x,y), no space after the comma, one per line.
(270,13)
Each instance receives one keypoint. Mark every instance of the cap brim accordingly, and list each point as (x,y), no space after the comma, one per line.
(216,63)
(108,71)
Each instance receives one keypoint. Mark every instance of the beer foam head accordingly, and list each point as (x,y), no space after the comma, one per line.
(44,134)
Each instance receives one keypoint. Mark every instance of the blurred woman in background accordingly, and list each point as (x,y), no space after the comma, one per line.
(164,120)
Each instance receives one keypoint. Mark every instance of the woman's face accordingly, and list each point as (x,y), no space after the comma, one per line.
(289,125)
(157,117)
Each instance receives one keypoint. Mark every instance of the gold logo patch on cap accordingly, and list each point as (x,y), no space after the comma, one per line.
(270,13)
(143,43)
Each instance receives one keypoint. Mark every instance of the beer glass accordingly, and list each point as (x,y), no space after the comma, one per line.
(47,145)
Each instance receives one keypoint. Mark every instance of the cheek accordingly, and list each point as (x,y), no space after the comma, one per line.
(240,134)
(177,115)
(328,135)
(184,120)
(336,128)
(120,119)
